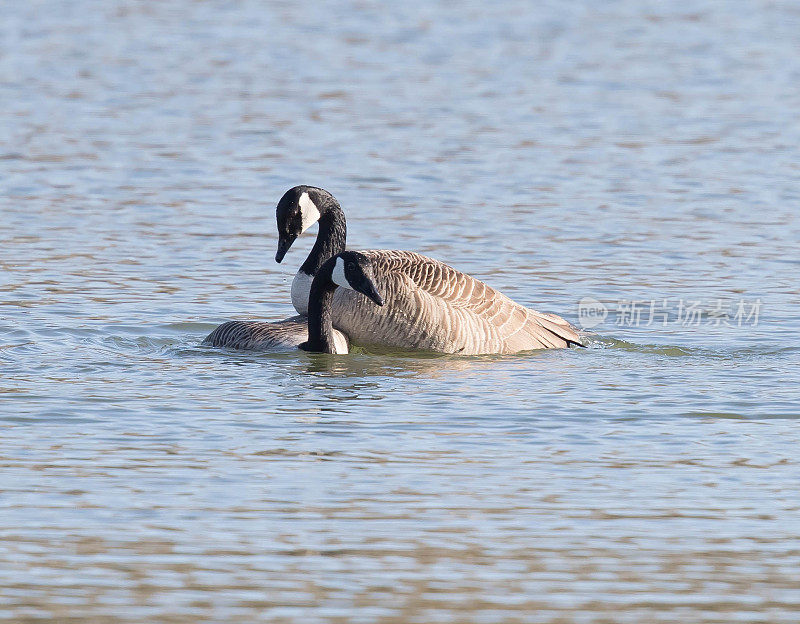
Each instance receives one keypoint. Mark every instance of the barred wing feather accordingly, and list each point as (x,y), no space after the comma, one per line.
(432,306)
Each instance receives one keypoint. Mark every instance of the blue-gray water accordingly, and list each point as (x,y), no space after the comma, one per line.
(616,151)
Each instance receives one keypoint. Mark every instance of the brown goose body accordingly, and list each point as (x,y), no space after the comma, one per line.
(433,307)
(285,335)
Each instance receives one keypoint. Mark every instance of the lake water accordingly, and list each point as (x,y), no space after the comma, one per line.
(641,157)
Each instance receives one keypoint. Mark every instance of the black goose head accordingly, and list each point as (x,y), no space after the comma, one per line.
(299,208)
(353,270)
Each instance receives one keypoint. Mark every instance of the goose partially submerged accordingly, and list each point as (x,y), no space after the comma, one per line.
(350,270)
(429,305)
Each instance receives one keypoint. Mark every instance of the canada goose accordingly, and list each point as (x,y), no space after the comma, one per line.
(429,305)
(349,269)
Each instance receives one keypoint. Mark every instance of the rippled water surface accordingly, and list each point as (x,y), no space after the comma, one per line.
(639,156)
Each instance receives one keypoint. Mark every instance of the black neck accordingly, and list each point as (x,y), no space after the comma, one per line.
(331,238)
(320,325)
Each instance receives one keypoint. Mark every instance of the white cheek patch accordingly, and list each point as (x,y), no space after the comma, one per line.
(309,211)
(338,276)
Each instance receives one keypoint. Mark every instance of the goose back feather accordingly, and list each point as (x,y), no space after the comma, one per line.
(434,307)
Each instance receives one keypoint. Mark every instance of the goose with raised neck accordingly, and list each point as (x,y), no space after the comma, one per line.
(299,208)
(430,306)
